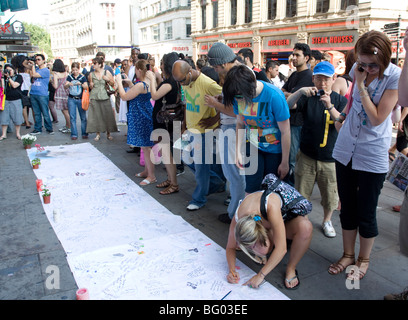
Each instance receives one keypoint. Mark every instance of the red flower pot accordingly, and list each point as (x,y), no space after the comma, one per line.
(47,199)
(27,146)
(36,166)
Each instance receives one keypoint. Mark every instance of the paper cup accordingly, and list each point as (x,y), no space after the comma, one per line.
(82,294)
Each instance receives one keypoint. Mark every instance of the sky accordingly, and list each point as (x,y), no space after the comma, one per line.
(34,14)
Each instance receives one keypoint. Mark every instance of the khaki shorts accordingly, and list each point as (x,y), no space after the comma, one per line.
(308,171)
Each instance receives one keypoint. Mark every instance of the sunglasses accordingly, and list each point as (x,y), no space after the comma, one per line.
(369,65)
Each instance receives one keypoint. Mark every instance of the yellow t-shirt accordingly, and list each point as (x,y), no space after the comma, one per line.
(196,109)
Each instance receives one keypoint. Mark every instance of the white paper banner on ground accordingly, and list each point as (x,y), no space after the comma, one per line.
(123,244)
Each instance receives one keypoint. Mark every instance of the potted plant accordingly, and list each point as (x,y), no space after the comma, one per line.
(46,193)
(28,140)
(36,163)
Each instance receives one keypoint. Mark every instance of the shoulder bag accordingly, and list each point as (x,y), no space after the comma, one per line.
(109,89)
(171,112)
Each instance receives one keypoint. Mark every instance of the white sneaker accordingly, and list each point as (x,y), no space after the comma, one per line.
(328,229)
(192,207)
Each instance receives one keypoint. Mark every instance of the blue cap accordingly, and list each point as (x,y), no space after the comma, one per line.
(324,68)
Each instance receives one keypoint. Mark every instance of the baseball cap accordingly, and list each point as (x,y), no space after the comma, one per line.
(324,68)
(219,54)
(118,61)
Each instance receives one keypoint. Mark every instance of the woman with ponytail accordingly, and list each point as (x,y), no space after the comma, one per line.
(262,223)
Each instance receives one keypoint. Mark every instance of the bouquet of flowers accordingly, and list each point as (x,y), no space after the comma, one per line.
(28,139)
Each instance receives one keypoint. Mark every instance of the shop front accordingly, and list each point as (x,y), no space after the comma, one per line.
(237,45)
(336,44)
(278,48)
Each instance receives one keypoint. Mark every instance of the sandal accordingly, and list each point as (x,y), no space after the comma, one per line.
(173,188)
(337,268)
(164,184)
(146,182)
(110,138)
(97,138)
(359,275)
(288,281)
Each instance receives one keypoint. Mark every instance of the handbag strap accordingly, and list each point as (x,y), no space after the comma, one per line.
(350,101)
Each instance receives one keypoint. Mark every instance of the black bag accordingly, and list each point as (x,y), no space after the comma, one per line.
(171,112)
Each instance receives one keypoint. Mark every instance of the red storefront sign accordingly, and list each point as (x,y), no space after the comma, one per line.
(332,39)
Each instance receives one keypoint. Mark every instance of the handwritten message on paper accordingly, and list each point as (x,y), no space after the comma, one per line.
(122,244)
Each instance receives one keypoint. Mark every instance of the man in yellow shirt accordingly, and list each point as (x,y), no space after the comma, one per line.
(199,118)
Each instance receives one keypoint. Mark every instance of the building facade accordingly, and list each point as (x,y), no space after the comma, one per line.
(81,28)
(165,26)
(271,27)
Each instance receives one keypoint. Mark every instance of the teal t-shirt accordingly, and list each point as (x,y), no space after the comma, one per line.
(267,109)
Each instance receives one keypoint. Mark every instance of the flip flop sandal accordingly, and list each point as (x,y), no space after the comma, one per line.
(288,281)
(3,138)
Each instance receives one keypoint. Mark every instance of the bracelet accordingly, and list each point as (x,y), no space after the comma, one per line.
(332,106)
(262,274)
(343,115)
(339,120)
(361,90)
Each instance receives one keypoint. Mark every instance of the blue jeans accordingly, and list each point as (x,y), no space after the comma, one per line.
(230,170)
(207,175)
(295,132)
(73,106)
(267,163)
(40,107)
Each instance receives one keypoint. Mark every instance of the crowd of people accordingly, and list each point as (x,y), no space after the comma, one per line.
(270,138)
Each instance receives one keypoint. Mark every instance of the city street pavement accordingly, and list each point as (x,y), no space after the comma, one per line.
(28,244)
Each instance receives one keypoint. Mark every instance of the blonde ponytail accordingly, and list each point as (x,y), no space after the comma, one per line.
(248,231)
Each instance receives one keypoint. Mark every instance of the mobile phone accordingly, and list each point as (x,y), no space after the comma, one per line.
(148,66)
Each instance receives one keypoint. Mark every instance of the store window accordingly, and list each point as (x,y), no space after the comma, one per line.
(322,6)
(271,9)
(233,12)
(291,6)
(248,11)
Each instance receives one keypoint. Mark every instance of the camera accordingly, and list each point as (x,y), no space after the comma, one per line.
(143,56)
(31,58)
(320,93)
